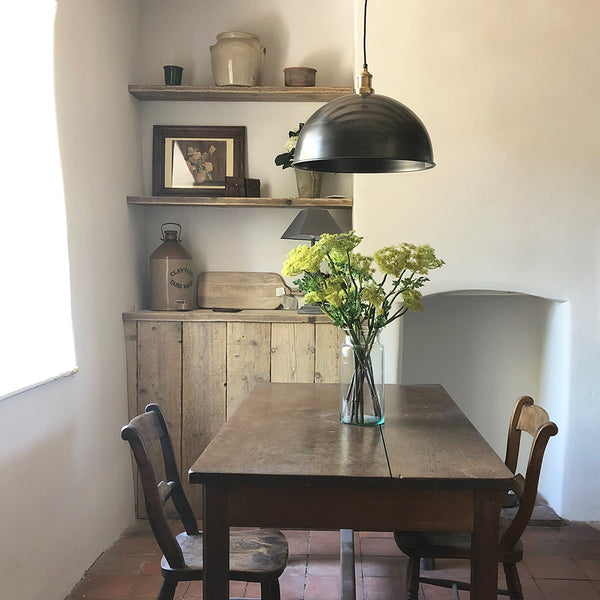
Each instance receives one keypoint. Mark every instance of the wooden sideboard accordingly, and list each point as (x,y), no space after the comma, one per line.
(199,365)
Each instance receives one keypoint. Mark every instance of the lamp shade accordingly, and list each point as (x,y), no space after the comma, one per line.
(363,134)
(310,223)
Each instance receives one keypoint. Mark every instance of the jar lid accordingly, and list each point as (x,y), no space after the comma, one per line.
(236,34)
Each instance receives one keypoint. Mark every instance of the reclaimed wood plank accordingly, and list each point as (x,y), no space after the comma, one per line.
(328,339)
(204,395)
(159,378)
(292,353)
(238,93)
(248,360)
(242,201)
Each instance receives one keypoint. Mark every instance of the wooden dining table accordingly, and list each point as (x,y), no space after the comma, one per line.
(284,460)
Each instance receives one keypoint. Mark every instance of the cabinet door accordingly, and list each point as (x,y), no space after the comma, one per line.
(204,395)
(159,380)
(293,352)
(328,339)
(248,360)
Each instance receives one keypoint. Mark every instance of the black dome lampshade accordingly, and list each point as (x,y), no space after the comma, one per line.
(364,133)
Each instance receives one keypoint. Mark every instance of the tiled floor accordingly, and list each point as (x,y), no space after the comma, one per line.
(559,563)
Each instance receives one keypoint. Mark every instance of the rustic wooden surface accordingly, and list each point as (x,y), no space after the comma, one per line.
(238,93)
(244,316)
(248,202)
(199,370)
(240,290)
(248,360)
(159,378)
(430,440)
(203,394)
(292,353)
(284,460)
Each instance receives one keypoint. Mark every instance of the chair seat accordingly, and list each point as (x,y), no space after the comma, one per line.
(439,544)
(254,555)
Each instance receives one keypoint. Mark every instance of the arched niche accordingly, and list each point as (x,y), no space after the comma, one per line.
(487,348)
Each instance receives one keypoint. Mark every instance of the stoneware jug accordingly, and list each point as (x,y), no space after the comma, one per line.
(237,59)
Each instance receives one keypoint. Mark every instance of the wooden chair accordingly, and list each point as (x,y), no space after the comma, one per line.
(526,417)
(257,555)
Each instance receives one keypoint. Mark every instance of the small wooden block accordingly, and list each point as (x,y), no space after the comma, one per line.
(234,186)
(252,188)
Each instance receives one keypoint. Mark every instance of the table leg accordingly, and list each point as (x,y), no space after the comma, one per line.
(216,543)
(484,542)
(347,568)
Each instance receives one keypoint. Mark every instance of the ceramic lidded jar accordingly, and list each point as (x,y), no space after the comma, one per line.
(237,59)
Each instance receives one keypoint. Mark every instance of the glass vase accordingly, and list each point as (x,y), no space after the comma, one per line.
(361,380)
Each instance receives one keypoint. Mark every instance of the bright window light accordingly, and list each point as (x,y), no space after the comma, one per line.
(36,332)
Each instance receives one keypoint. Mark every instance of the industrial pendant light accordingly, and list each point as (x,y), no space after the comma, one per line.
(363,133)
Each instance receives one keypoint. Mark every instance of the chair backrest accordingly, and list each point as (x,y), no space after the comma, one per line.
(152,449)
(533,420)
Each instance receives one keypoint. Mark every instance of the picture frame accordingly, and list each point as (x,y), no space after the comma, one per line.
(196,160)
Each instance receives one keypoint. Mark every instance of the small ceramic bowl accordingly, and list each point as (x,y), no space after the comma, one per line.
(300,76)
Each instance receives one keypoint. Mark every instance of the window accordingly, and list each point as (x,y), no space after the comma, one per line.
(36,332)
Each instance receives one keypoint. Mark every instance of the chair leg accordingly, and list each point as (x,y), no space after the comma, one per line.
(269,590)
(513,583)
(412,578)
(167,590)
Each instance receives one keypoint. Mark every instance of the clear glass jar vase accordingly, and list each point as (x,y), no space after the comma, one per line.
(361,379)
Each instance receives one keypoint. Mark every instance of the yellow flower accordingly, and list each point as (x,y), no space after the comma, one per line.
(375,295)
(302,260)
(412,300)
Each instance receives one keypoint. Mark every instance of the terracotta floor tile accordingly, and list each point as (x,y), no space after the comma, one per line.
(379,547)
(577,531)
(384,588)
(323,566)
(376,534)
(145,586)
(322,588)
(291,586)
(384,566)
(296,565)
(590,567)
(540,534)
(560,562)
(551,567)
(298,541)
(584,548)
(104,586)
(557,589)
(325,542)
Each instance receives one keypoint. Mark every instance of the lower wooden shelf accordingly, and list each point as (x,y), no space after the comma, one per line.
(332,202)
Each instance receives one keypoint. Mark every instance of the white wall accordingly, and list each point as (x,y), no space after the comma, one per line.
(66,474)
(510,96)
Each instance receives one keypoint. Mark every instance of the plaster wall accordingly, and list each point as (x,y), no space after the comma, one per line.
(509,95)
(66,474)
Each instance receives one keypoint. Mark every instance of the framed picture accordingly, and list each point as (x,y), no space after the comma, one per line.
(194,161)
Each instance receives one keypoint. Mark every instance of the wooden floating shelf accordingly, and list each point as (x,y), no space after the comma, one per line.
(335,202)
(238,94)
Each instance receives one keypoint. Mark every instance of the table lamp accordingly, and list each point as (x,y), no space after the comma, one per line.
(308,225)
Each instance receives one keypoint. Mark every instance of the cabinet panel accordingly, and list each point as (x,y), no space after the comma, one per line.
(248,360)
(203,395)
(200,369)
(159,380)
(293,352)
(327,353)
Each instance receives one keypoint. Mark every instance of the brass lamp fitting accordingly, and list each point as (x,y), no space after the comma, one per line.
(365,79)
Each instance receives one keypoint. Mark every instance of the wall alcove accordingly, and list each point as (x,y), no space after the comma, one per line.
(487,349)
